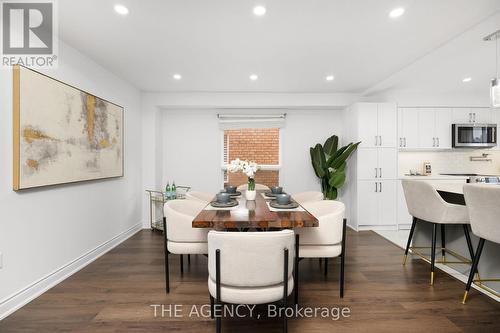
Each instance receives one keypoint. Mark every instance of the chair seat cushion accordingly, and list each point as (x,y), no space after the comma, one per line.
(320,251)
(249,295)
(187,247)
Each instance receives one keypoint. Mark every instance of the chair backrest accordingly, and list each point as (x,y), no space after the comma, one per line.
(258,187)
(483,203)
(330,214)
(251,259)
(180,215)
(200,196)
(423,201)
(309,196)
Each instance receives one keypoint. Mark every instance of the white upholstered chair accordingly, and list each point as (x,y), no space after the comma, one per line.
(250,268)
(309,196)
(426,205)
(328,239)
(483,204)
(180,237)
(258,187)
(200,196)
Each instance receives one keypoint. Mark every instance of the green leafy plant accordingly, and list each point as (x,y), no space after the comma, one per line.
(329,164)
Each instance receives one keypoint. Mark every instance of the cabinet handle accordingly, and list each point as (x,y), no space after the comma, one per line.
(405,142)
(380,140)
(380,187)
(376,140)
(470,117)
(474,117)
(376,187)
(376,173)
(434,142)
(379,172)
(438,144)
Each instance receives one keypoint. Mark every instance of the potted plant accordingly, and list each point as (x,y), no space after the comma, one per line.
(249,168)
(329,164)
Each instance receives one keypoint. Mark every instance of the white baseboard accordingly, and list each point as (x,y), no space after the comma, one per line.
(15,301)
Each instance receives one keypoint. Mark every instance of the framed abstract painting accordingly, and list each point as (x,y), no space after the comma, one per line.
(61,133)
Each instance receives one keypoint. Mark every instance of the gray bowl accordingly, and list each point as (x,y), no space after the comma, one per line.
(283,199)
(231,189)
(276,190)
(223,197)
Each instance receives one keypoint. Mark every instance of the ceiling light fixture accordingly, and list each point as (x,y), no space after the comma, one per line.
(396,12)
(177,76)
(259,10)
(330,78)
(466,79)
(121,9)
(495,82)
(254,77)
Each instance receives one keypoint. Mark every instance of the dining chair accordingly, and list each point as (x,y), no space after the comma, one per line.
(258,187)
(200,196)
(328,240)
(309,196)
(250,268)
(179,236)
(426,205)
(484,211)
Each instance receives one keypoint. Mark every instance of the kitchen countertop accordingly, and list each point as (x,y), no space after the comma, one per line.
(435,177)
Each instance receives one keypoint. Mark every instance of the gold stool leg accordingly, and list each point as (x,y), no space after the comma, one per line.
(465,297)
(432,278)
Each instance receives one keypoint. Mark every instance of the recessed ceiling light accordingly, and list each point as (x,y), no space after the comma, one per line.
(121,9)
(177,76)
(467,79)
(254,77)
(259,10)
(396,12)
(330,78)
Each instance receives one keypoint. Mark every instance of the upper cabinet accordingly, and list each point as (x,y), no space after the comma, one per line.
(377,124)
(472,115)
(425,128)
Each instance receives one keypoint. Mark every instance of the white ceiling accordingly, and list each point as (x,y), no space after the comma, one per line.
(215,45)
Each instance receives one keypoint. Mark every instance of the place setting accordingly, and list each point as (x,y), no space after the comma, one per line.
(226,198)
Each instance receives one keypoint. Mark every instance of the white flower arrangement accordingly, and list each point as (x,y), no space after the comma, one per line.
(249,168)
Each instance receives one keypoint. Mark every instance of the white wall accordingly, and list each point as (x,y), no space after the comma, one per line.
(192,147)
(43,231)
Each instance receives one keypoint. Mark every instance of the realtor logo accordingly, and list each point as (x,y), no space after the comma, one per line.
(28,33)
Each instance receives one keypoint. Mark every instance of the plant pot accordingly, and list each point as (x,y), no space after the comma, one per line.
(250,195)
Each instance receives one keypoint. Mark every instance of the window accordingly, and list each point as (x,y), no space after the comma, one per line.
(261,145)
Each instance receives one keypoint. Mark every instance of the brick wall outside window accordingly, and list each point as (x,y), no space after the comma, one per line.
(254,144)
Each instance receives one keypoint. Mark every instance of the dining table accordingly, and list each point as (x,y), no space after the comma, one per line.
(254,214)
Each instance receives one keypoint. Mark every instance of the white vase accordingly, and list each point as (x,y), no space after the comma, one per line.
(250,195)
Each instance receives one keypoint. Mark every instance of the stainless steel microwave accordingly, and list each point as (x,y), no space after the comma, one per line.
(474,135)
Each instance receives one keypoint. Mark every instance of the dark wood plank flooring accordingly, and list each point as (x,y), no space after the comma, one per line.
(115,294)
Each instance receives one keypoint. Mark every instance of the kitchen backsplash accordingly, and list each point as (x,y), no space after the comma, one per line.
(453,161)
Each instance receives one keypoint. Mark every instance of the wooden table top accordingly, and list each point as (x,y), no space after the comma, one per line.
(253,214)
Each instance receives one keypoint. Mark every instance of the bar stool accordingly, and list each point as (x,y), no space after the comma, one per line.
(426,205)
(484,210)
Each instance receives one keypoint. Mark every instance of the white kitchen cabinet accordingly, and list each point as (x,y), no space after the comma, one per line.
(376,203)
(444,120)
(367,124)
(377,124)
(368,205)
(376,163)
(408,129)
(426,128)
(472,115)
(387,124)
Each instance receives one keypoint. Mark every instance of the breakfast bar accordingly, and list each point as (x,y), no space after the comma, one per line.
(455,240)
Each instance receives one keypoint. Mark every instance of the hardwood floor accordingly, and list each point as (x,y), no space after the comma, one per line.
(115,294)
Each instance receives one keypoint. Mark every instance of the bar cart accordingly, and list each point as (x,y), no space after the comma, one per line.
(157,200)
